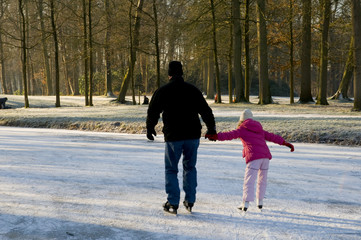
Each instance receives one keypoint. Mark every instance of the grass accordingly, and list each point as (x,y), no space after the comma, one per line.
(333,124)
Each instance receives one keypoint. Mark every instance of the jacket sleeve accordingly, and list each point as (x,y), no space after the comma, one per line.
(271,137)
(206,113)
(223,136)
(154,111)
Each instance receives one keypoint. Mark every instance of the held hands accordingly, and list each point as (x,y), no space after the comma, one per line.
(289,145)
(211,135)
(150,133)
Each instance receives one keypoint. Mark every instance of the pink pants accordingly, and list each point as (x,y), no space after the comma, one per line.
(256,167)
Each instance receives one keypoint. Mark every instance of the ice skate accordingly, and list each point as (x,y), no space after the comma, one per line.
(167,207)
(244,206)
(188,205)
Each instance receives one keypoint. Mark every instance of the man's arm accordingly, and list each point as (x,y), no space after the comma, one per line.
(153,115)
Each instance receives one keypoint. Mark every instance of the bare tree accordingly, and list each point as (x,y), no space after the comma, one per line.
(356,31)
(215,54)
(85,54)
(291,53)
(237,51)
(210,77)
(24,52)
(264,88)
(322,93)
(229,65)
(2,56)
(305,95)
(247,76)
(108,64)
(156,42)
(127,78)
(90,42)
(49,82)
(342,90)
(56,53)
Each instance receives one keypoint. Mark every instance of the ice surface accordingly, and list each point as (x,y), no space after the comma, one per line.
(62,184)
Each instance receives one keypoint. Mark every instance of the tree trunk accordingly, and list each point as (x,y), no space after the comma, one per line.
(305,95)
(156,37)
(56,52)
(291,54)
(127,78)
(237,51)
(143,65)
(49,82)
(247,53)
(342,92)
(131,55)
(91,67)
(264,90)
(24,51)
(85,55)
(229,65)
(2,57)
(108,64)
(210,82)
(3,68)
(215,54)
(322,93)
(356,27)
(205,74)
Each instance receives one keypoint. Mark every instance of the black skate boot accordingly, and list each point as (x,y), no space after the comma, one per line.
(188,205)
(167,207)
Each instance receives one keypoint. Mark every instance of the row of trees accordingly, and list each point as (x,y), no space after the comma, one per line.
(71,47)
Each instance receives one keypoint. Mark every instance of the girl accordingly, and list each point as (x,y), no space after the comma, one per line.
(255,152)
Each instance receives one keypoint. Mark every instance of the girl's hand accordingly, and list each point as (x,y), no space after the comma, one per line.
(289,145)
(212,137)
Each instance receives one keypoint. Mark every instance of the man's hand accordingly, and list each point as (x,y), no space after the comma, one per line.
(212,137)
(150,133)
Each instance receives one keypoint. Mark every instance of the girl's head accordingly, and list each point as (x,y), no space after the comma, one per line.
(246,114)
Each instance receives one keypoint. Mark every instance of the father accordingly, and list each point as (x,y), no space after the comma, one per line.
(180,103)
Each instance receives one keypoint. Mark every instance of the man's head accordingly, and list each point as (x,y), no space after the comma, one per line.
(175,69)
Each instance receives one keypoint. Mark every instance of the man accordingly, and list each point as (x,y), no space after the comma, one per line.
(180,103)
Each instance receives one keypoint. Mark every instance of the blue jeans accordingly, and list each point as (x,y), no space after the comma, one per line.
(173,152)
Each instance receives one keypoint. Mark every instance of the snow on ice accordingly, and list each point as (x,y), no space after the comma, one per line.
(61,184)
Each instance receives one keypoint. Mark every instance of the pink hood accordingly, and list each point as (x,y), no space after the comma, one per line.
(253,138)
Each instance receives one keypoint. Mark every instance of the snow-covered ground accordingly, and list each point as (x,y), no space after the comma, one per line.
(62,184)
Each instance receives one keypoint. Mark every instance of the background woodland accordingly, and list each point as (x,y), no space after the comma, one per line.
(305,49)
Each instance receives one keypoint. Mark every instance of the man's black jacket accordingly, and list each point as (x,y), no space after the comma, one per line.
(180,103)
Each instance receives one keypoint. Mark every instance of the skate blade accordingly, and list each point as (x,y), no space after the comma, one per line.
(173,213)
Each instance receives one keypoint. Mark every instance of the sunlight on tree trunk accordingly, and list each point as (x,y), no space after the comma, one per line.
(342,92)
(127,77)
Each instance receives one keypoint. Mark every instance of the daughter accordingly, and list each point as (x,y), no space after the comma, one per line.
(255,152)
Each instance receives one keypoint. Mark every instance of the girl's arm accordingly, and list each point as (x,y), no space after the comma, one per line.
(223,136)
(277,139)
(271,137)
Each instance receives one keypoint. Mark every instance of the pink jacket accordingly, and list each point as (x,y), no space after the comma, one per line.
(253,138)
